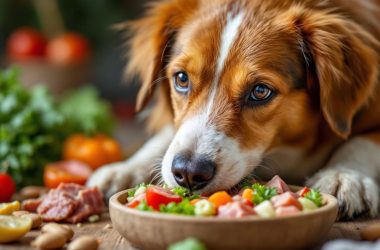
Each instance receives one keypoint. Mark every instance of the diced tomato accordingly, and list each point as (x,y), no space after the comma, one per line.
(303,191)
(286,199)
(155,196)
(279,184)
(288,210)
(137,200)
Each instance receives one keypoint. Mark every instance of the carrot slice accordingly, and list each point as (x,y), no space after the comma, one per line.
(247,194)
(220,198)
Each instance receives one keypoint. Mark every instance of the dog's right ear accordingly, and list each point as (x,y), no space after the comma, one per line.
(150,42)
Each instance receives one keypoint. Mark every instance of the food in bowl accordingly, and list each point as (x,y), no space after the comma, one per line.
(274,199)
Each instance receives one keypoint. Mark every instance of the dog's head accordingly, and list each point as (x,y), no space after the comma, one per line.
(245,77)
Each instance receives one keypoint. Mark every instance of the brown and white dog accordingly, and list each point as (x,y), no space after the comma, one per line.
(286,85)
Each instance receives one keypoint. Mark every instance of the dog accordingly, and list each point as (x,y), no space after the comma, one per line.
(239,86)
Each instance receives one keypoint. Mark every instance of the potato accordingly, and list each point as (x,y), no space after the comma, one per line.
(58,229)
(370,232)
(85,242)
(48,241)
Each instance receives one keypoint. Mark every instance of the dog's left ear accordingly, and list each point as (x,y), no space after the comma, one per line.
(150,42)
(344,63)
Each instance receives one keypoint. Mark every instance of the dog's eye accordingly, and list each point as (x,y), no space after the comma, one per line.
(182,82)
(260,94)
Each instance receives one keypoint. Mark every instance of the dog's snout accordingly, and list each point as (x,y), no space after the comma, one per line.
(192,172)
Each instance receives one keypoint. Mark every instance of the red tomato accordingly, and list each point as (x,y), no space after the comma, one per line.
(137,200)
(96,151)
(69,48)
(7,187)
(66,172)
(155,196)
(26,43)
(303,191)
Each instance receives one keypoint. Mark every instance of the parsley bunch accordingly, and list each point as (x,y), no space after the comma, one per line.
(262,193)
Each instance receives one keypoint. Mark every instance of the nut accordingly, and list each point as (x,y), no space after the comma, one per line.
(48,241)
(36,219)
(58,229)
(371,232)
(85,242)
(32,192)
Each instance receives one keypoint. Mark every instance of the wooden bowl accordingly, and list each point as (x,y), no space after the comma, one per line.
(149,230)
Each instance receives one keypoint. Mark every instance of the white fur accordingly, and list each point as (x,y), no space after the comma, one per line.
(137,169)
(350,175)
(227,39)
(199,136)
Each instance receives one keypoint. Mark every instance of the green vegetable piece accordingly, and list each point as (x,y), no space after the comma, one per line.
(143,206)
(262,193)
(315,196)
(184,207)
(188,244)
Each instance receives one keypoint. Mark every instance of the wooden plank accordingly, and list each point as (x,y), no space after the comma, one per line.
(110,238)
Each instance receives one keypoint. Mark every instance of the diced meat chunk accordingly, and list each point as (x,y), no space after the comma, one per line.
(277,183)
(235,209)
(288,210)
(90,202)
(57,206)
(286,199)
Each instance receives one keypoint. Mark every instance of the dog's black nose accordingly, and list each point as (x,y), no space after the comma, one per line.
(192,172)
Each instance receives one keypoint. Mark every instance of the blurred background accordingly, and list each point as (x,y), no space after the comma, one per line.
(90,19)
(61,81)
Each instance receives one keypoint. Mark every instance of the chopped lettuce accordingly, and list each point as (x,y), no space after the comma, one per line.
(184,207)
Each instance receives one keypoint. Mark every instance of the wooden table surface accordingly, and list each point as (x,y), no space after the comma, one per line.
(110,238)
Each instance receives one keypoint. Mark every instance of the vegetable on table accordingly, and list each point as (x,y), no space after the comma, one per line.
(68,48)
(7,187)
(13,228)
(33,125)
(188,244)
(26,43)
(95,151)
(66,172)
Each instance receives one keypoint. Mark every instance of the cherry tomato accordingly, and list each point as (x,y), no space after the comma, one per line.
(95,151)
(7,187)
(303,191)
(69,48)
(26,43)
(155,196)
(67,172)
